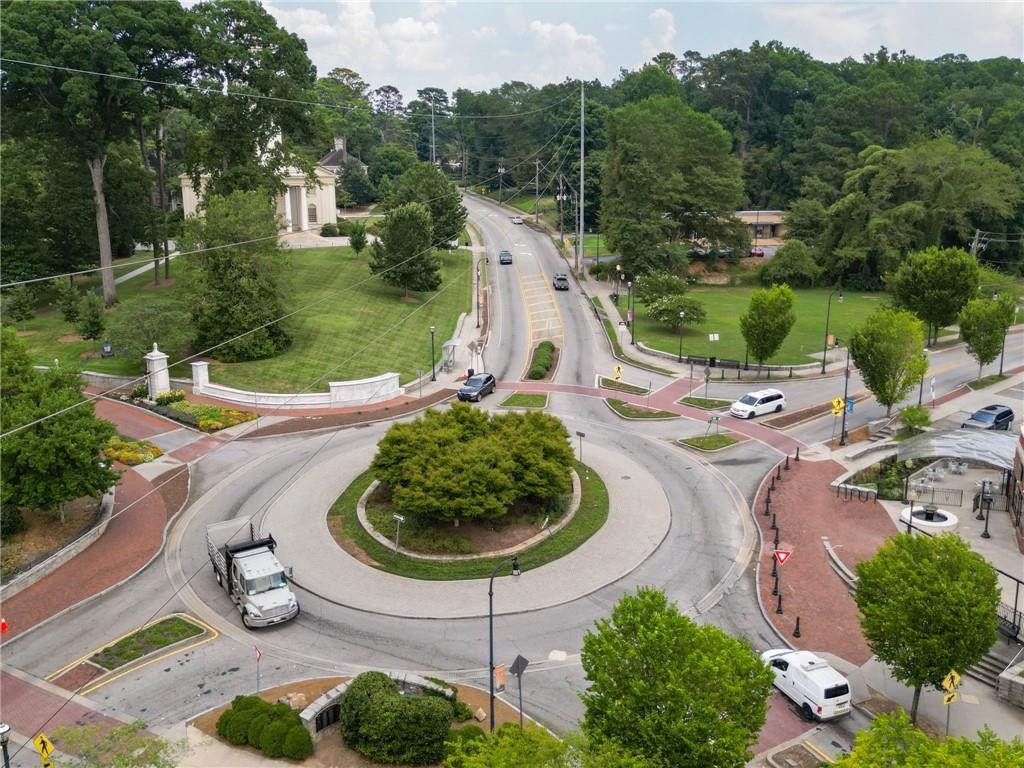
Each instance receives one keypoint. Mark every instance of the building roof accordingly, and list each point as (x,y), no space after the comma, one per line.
(760,217)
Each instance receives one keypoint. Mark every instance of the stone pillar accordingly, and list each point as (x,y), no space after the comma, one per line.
(303,209)
(158,377)
(288,209)
(200,377)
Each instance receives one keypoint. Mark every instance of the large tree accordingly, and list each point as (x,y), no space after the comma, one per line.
(928,605)
(668,177)
(983,324)
(57,460)
(238,290)
(888,348)
(935,284)
(423,183)
(678,693)
(512,747)
(768,320)
(404,255)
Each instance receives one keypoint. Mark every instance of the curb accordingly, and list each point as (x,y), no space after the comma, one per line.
(635,418)
(760,554)
(733,444)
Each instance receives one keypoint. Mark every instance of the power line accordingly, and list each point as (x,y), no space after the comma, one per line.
(247,521)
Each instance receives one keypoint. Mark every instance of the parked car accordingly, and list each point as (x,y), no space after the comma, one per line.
(755,403)
(810,682)
(990,417)
(758,252)
(561,282)
(477,387)
(505,257)
(517,219)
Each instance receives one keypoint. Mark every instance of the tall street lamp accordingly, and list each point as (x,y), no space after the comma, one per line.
(5,729)
(682,316)
(478,293)
(490,622)
(920,389)
(846,394)
(618,283)
(828,312)
(433,374)
(629,313)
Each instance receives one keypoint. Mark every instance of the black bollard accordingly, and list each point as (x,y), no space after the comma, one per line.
(767,507)
(772,486)
(796,632)
(787,461)
(775,563)
(778,472)
(768,498)
(798,453)
(774,527)
(775,589)
(778,608)
(776,538)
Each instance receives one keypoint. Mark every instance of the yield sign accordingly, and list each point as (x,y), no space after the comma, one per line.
(782,555)
(259,654)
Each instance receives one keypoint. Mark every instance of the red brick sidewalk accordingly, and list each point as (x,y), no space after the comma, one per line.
(806,509)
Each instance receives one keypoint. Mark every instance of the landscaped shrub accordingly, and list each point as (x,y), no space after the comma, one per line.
(131,452)
(298,745)
(256,727)
(385,727)
(173,396)
(139,392)
(224,720)
(65,297)
(329,230)
(19,303)
(11,521)
(543,359)
(601,270)
(460,736)
(208,418)
(272,738)
(237,730)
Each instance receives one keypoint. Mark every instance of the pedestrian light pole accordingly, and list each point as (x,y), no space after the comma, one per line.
(501,179)
(682,317)
(846,394)
(828,312)
(490,624)
(433,373)
(478,293)
(920,389)
(630,314)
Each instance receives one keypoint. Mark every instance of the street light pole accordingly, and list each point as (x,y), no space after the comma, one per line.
(682,316)
(433,373)
(478,293)
(846,394)
(828,312)
(490,624)
(630,313)
(920,389)
(4,730)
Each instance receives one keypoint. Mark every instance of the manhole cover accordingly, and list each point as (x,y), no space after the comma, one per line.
(626,477)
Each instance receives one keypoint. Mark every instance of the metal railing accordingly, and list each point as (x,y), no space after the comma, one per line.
(929,494)
(848,492)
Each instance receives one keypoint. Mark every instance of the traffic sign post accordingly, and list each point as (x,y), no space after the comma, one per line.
(518,668)
(618,373)
(950,683)
(259,655)
(44,747)
(782,555)
(399,519)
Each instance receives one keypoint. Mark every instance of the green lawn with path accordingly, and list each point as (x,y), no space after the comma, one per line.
(591,515)
(356,331)
(526,400)
(987,381)
(709,404)
(154,637)
(709,442)
(629,411)
(724,305)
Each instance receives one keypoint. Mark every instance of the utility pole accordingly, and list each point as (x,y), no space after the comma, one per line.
(433,146)
(501,178)
(536,191)
(561,195)
(579,239)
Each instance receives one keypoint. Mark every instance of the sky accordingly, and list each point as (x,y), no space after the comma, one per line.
(479,45)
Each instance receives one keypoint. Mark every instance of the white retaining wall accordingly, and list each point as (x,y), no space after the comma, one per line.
(342,394)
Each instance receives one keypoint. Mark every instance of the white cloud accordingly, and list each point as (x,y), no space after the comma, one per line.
(664,36)
(431,9)
(416,44)
(485,33)
(311,25)
(565,51)
(359,42)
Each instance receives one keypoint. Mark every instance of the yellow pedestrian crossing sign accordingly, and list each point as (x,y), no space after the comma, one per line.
(951,681)
(950,698)
(618,373)
(43,744)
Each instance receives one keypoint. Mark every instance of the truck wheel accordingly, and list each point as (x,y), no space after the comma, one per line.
(807,712)
(245,621)
(216,575)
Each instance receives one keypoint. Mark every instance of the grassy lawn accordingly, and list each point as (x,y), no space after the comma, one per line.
(160,635)
(526,400)
(725,305)
(590,516)
(709,404)
(629,411)
(613,337)
(709,442)
(594,245)
(349,318)
(621,386)
(987,381)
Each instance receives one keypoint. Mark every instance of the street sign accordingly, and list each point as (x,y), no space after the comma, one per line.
(849,405)
(838,403)
(707,373)
(951,681)
(837,412)
(950,698)
(397,517)
(43,745)
(618,373)
(499,678)
(782,555)
(519,666)
(712,337)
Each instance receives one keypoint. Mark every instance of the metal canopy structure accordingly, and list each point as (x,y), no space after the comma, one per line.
(448,354)
(993,448)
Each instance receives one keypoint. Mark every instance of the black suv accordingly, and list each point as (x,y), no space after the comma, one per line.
(505,257)
(477,387)
(990,417)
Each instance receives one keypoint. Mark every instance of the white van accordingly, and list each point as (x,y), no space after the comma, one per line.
(812,684)
(755,403)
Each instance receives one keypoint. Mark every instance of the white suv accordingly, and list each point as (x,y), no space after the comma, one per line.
(755,403)
(517,219)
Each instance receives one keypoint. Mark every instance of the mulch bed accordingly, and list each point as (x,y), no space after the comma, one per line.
(790,418)
(45,534)
(76,677)
(351,418)
(551,371)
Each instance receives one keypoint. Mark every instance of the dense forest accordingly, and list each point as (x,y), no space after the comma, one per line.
(105,104)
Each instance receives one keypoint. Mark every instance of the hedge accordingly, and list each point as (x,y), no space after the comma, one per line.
(269,727)
(272,738)
(386,727)
(543,359)
(298,745)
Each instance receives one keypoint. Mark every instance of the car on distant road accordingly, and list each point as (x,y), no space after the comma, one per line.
(755,403)
(561,282)
(477,387)
(517,219)
(758,252)
(810,682)
(505,257)
(990,417)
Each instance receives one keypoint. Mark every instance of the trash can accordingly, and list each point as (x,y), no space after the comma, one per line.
(712,361)
(469,373)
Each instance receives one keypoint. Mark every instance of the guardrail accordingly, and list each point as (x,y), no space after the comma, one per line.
(847,492)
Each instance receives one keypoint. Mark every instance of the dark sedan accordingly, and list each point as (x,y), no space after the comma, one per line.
(505,257)
(477,387)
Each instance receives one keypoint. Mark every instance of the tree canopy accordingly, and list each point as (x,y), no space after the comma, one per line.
(928,605)
(404,255)
(983,324)
(677,693)
(888,348)
(423,183)
(935,284)
(768,320)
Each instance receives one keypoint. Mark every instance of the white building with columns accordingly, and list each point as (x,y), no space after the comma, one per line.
(305,204)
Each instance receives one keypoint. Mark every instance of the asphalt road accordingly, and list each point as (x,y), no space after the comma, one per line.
(700,563)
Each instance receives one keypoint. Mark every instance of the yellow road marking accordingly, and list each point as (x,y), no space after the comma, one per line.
(818,752)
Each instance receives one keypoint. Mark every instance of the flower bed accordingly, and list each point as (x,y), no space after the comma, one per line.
(131,452)
(208,418)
